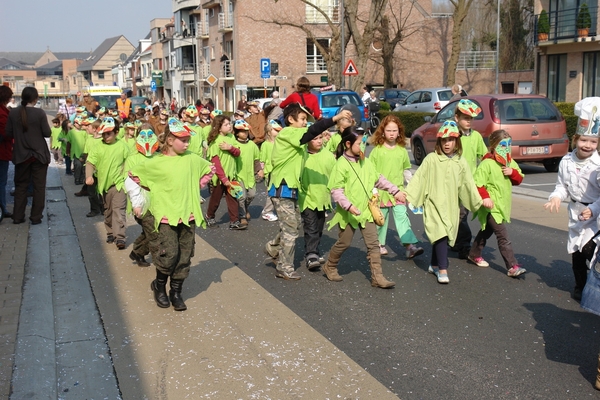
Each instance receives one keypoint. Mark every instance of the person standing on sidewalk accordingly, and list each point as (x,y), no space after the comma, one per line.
(578,182)
(29,128)
(6,146)
(173,171)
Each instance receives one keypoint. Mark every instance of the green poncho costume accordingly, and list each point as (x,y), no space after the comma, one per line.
(249,152)
(314,193)
(358,180)
(174,185)
(438,185)
(390,163)
(108,159)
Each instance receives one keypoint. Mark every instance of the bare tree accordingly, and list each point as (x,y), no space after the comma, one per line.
(363,28)
(393,29)
(460,12)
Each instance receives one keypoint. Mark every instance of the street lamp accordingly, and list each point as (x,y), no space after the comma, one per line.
(497,46)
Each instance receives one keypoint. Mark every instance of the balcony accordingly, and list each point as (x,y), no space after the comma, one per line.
(180,41)
(476,60)
(313,16)
(201,30)
(563,26)
(225,22)
(227,70)
(188,70)
(316,64)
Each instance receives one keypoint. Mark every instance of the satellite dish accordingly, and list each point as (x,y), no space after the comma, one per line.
(123,57)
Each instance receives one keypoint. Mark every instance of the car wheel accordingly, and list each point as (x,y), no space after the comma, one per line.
(552,164)
(418,151)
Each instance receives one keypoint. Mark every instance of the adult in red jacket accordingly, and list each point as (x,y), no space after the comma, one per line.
(303,96)
(6,147)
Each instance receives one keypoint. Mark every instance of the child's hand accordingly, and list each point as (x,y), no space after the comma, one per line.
(507,171)
(261,174)
(137,211)
(585,214)
(344,114)
(400,197)
(89,181)
(354,211)
(553,204)
(488,203)
(227,184)
(225,146)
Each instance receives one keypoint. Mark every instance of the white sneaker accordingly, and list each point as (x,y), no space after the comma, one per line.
(270,217)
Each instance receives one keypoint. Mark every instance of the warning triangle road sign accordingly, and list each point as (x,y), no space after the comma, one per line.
(350,68)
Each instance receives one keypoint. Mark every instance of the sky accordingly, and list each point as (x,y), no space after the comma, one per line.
(69,25)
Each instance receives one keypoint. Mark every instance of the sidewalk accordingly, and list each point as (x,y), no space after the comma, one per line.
(89,326)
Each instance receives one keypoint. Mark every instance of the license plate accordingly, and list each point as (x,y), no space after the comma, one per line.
(536,150)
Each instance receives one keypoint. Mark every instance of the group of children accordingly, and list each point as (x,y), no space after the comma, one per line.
(304,167)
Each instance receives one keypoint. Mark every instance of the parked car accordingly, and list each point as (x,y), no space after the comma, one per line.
(429,100)
(332,102)
(537,128)
(391,96)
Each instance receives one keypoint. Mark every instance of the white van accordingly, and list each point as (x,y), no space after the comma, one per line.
(106,96)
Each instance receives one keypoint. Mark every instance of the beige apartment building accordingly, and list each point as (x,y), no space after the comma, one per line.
(567,60)
(213,49)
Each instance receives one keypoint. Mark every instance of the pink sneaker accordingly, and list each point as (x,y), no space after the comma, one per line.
(479,261)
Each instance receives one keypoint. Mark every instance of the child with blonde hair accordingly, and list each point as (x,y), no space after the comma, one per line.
(266,150)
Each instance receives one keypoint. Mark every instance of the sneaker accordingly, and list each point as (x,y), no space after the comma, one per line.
(288,275)
(244,223)
(92,214)
(413,251)
(441,278)
(138,259)
(322,260)
(270,217)
(237,226)
(211,222)
(383,250)
(120,244)
(312,262)
(479,261)
(515,271)
(110,238)
(271,252)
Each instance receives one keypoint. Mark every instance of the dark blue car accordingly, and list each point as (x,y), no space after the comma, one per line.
(331,103)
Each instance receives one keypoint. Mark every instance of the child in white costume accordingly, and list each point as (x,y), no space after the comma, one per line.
(578,182)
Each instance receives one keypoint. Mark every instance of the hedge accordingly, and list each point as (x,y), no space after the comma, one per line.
(410,120)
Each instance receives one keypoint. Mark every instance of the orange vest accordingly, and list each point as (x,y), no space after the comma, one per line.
(124,108)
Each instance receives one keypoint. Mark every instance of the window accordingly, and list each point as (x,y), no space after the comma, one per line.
(413,98)
(211,13)
(74,80)
(314,60)
(52,84)
(100,74)
(591,74)
(212,52)
(557,77)
(314,15)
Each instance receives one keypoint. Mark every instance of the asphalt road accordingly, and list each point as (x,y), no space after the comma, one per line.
(484,335)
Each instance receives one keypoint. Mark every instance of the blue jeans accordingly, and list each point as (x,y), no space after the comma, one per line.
(3,181)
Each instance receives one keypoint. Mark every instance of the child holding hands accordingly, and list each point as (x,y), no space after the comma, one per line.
(390,159)
(494,177)
(351,183)
(442,182)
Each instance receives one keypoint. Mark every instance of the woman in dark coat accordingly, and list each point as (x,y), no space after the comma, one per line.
(29,128)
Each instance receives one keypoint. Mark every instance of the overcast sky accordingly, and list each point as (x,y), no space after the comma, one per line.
(67,25)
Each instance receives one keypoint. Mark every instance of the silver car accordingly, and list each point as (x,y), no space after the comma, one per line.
(429,100)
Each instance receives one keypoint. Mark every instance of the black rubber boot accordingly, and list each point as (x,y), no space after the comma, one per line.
(158,286)
(175,295)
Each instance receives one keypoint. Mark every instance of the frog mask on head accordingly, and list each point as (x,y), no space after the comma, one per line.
(146,142)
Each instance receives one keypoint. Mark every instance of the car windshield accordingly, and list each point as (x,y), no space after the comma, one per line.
(527,110)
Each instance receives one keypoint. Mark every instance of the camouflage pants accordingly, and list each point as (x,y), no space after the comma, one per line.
(141,246)
(285,242)
(172,249)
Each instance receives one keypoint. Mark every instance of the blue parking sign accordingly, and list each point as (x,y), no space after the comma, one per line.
(153,86)
(265,68)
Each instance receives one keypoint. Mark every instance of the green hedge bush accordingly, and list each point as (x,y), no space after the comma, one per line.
(565,108)
(410,120)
